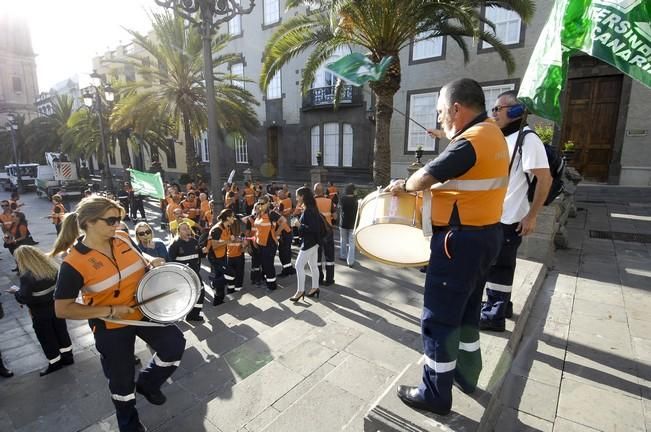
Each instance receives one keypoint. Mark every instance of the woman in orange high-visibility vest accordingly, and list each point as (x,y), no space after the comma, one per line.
(104,266)
(58,212)
(265,240)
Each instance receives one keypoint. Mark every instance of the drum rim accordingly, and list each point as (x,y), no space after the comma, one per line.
(377,194)
(184,271)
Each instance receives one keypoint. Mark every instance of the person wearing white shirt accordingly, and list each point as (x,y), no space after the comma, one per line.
(518,214)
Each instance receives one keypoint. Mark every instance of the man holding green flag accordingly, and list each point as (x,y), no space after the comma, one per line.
(617,32)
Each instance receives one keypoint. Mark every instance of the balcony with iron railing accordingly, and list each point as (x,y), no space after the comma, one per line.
(323,97)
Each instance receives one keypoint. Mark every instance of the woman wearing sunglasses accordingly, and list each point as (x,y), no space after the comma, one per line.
(148,244)
(105,266)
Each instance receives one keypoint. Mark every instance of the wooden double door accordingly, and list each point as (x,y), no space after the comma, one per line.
(590,121)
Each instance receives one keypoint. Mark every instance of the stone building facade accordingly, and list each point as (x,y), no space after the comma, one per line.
(605,113)
(18,81)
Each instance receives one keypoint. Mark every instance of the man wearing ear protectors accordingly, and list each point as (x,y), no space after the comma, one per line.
(518,215)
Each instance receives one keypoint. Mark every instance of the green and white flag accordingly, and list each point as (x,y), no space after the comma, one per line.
(617,32)
(144,183)
(357,69)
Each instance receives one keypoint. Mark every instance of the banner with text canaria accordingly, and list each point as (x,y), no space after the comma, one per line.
(617,32)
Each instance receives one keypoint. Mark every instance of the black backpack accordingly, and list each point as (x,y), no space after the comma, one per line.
(556,168)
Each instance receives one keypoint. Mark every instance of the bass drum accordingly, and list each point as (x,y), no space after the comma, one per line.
(175,306)
(389,229)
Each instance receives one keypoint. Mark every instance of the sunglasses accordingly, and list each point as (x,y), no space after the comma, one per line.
(112,220)
(144,233)
(499,108)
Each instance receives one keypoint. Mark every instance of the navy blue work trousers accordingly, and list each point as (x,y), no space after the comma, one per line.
(116,348)
(500,277)
(456,274)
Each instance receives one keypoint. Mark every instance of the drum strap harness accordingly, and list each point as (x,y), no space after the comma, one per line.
(135,323)
(427,213)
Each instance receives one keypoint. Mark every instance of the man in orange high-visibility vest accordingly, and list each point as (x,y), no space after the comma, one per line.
(470,178)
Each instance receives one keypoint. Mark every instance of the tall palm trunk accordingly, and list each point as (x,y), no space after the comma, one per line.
(190,154)
(384,91)
(382,147)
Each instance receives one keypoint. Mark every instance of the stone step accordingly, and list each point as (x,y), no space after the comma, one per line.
(479,411)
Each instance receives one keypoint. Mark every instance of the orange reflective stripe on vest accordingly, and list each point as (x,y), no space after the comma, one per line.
(478,194)
(264,228)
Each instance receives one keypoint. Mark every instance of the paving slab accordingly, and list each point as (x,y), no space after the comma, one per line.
(530,396)
(360,377)
(512,420)
(598,408)
(330,404)
(564,425)
(233,409)
(303,387)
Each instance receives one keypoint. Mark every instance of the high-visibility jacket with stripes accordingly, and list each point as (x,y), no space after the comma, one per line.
(263,229)
(186,252)
(109,280)
(204,207)
(477,195)
(234,248)
(287,206)
(325,208)
(219,251)
(249,196)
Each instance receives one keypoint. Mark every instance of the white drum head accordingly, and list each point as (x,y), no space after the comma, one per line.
(175,306)
(399,245)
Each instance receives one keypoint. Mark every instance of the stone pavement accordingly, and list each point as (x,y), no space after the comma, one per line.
(584,364)
(263,363)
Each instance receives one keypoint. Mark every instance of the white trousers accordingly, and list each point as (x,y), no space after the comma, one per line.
(311,257)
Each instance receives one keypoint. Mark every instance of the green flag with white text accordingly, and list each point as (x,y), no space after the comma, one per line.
(617,32)
(357,69)
(149,184)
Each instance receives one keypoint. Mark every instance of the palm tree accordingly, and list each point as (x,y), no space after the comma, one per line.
(174,89)
(46,133)
(82,138)
(383,28)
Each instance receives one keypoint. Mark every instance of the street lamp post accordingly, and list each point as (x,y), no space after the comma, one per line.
(93,98)
(211,13)
(12,127)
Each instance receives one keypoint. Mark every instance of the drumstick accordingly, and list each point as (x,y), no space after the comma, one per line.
(156,297)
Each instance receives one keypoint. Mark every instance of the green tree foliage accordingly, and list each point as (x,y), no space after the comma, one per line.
(170,96)
(381,28)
